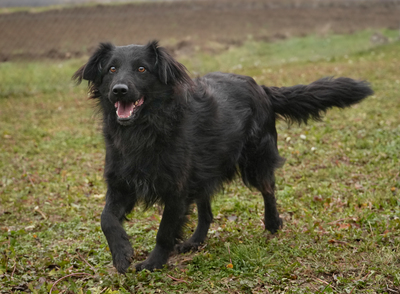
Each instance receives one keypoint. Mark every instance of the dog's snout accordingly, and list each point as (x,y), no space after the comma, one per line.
(120,89)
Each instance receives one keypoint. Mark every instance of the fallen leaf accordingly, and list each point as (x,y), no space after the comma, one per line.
(344,226)
(232,218)
(358,186)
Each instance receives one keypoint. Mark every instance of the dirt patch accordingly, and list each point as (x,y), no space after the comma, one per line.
(185,27)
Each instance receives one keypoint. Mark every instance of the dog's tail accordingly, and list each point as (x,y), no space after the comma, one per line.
(302,102)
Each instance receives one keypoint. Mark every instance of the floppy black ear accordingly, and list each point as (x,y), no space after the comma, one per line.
(92,69)
(170,71)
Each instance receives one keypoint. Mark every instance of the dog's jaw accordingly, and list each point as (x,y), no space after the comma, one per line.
(126,111)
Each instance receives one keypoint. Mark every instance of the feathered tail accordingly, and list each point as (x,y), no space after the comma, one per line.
(302,102)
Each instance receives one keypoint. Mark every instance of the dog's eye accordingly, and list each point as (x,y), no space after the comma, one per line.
(141,69)
(113,69)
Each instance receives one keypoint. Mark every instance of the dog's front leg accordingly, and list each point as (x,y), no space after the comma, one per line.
(117,205)
(173,219)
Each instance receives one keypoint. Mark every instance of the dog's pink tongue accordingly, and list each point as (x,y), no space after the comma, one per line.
(124,109)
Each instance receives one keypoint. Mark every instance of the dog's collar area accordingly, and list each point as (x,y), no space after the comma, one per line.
(126,110)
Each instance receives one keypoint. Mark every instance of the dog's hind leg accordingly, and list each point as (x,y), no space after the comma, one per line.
(173,219)
(205,218)
(117,205)
(272,221)
(266,186)
(257,168)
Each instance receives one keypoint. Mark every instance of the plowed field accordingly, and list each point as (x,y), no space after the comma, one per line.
(184,26)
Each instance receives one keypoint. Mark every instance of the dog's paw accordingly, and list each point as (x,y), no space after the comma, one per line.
(149,265)
(156,260)
(122,260)
(187,247)
(274,226)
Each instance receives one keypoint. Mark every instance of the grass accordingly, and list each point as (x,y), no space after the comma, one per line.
(338,191)
(39,9)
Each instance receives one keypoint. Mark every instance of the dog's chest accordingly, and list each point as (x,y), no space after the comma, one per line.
(149,162)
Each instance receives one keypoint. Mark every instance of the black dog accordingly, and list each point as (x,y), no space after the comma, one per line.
(175,141)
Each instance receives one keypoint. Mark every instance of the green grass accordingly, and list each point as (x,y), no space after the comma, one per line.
(253,55)
(39,9)
(338,191)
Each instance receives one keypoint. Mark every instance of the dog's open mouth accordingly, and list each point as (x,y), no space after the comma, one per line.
(126,110)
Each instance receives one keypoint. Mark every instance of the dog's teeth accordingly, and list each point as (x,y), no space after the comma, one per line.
(136,103)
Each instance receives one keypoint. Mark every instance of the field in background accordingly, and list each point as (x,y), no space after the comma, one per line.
(185,27)
(338,191)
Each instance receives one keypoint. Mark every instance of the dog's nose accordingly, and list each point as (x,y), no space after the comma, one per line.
(120,90)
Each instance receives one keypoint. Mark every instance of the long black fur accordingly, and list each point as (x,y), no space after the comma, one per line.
(187,137)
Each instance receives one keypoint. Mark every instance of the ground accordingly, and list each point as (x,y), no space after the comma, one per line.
(185,26)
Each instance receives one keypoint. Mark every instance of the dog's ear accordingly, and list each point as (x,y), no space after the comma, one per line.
(92,69)
(170,71)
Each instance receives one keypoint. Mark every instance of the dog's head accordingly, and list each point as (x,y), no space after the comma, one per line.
(128,79)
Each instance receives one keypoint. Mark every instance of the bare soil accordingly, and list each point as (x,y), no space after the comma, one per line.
(185,26)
